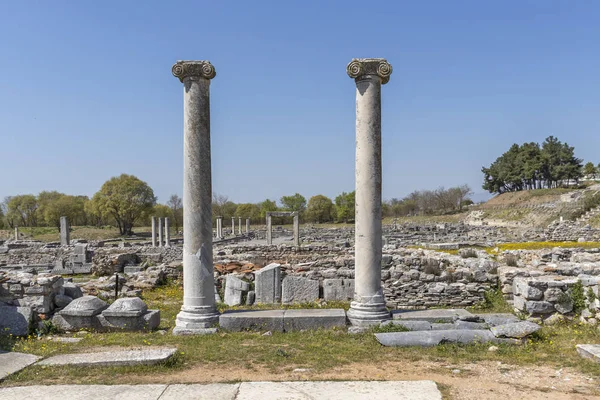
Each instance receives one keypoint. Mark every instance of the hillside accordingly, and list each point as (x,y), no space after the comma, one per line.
(534,208)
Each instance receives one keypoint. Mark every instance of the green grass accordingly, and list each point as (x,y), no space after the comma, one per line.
(279,353)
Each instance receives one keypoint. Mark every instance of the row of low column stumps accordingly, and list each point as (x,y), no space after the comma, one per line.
(164,232)
(198,314)
(219,233)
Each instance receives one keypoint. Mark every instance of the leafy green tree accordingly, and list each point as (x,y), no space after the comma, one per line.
(248,210)
(72,207)
(267,205)
(126,198)
(176,205)
(589,170)
(344,206)
(296,202)
(320,209)
(22,210)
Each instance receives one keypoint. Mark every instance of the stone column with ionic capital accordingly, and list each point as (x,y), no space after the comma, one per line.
(198,313)
(368,307)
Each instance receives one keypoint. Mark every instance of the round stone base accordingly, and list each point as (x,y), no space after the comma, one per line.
(198,319)
(361,314)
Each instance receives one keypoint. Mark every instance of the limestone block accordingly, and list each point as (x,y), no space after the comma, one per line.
(72,290)
(15,320)
(60,300)
(261,320)
(296,289)
(39,304)
(433,338)
(553,294)
(250,298)
(296,320)
(515,330)
(338,289)
(539,307)
(81,313)
(234,290)
(267,282)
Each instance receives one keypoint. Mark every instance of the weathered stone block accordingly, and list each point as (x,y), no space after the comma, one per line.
(296,320)
(296,289)
(234,290)
(81,313)
(433,338)
(338,289)
(539,307)
(515,330)
(15,320)
(261,320)
(267,282)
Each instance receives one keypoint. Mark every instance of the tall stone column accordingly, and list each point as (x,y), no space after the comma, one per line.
(368,307)
(296,230)
(160,232)
(233,226)
(65,234)
(198,313)
(16,233)
(240,225)
(167,232)
(153,231)
(247,225)
(269,230)
(220,227)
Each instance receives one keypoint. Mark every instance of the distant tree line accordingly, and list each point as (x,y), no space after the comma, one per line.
(126,202)
(532,166)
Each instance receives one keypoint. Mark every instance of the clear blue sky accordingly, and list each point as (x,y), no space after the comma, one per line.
(86,90)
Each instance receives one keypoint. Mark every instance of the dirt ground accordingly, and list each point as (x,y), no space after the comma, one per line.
(480,381)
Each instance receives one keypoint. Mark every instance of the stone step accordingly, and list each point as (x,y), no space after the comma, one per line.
(11,362)
(324,390)
(282,320)
(112,358)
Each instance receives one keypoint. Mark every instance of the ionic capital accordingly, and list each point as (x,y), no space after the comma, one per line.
(187,69)
(361,68)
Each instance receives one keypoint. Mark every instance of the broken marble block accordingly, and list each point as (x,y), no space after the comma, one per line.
(130,314)
(267,282)
(297,289)
(234,290)
(81,313)
(338,289)
(15,321)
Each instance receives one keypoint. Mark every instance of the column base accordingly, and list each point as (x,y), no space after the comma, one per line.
(367,314)
(196,320)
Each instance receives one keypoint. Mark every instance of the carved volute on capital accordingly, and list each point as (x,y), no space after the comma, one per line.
(361,68)
(201,69)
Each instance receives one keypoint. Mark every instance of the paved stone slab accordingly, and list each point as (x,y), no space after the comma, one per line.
(214,391)
(83,392)
(349,390)
(12,362)
(433,338)
(112,358)
(260,320)
(591,351)
(296,320)
(437,316)
(359,390)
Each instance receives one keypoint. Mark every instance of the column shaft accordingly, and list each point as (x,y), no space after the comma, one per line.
(198,311)
(153,231)
(167,232)
(368,306)
(160,232)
